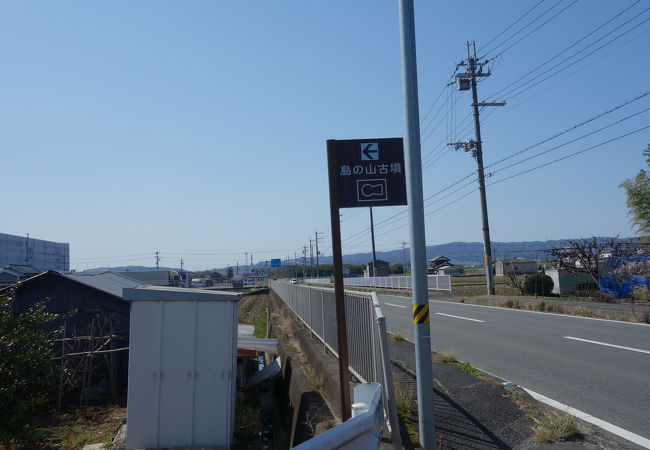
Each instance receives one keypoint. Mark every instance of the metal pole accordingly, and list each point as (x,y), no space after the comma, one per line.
(316,235)
(339,294)
(416,226)
(372,237)
(487,248)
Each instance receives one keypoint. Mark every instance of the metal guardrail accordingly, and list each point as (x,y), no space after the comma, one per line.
(360,432)
(367,338)
(434,282)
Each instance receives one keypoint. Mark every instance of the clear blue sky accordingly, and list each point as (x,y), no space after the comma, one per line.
(198,128)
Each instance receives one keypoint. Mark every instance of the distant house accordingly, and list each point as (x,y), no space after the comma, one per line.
(381,269)
(442,262)
(216,277)
(439,261)
(13,273)
(515,266)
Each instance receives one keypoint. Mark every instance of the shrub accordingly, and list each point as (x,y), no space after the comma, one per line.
(538,284)
(27,371)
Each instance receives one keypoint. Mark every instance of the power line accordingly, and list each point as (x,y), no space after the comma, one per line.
(511,25)
(580,69)
(493,49)
(571,141)
(540,26)
(572,154)
(522,88)
(527,171)
(564,51)
(388,222)
(585,122)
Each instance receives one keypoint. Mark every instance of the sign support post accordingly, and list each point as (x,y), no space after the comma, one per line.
(339,294)
(413,159)
(361,173)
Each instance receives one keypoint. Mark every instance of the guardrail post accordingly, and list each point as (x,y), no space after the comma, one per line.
(322,315)
(387,373)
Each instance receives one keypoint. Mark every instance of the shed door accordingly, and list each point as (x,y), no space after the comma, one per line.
(214,363)
(177,379)
(144,364)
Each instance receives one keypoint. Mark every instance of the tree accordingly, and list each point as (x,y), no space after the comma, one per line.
(637,190)
(27,371)
(585,255)
(229,273)
(397,268)
(538,284)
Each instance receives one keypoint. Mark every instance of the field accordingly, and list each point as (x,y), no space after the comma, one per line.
(475,285)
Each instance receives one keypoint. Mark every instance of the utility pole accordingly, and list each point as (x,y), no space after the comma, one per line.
(245,261)
(404,256)
(311,259)
(413,162)
(157,260)
(465,81)
(182,264)
(304,261)
(318,238)
(372,238)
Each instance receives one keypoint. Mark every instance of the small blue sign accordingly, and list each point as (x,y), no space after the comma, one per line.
(276,262)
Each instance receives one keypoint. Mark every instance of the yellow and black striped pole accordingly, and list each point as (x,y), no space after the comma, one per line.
(420,314)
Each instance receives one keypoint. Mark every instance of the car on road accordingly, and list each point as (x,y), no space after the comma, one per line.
(293,281)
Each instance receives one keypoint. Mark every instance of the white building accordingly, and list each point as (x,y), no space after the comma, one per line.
(565,283)
(517,266)
(37,253)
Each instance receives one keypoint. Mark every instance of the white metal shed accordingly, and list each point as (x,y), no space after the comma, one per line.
(182,366)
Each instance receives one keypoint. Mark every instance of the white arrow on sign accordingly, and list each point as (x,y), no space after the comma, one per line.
(370,151)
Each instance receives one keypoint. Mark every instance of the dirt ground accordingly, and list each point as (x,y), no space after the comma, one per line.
(77,426)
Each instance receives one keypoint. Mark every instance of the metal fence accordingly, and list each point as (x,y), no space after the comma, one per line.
(434,282)
(367,338)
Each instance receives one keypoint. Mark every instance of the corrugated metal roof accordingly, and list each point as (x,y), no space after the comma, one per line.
(109,282)
(20,269)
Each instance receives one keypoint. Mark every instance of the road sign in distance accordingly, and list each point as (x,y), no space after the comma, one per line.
(370,172)
(276,262)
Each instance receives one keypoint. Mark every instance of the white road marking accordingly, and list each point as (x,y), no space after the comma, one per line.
(460,317)
(609,345)
(632,437)
(544,313)
(397,306)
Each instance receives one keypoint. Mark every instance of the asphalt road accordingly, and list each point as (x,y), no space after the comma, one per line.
(599,367)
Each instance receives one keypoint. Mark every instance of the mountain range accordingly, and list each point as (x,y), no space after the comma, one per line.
(460,253)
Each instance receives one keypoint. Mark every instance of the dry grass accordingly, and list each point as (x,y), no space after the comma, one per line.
(253,311)
(553,308)
(397,337)
(446,356)
(403,399)
(556,428)
(317,382)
